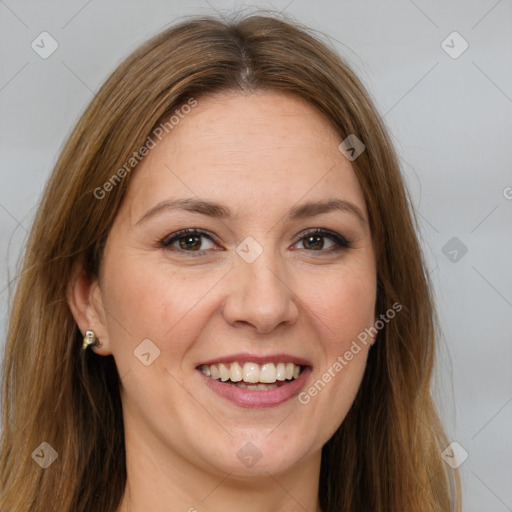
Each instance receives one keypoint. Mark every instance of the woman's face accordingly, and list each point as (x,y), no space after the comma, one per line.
(255,284)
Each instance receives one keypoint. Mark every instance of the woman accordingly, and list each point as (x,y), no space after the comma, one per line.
(223,300)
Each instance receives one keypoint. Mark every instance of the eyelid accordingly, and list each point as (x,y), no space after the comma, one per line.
(326,233)
(169,239)
(341,242)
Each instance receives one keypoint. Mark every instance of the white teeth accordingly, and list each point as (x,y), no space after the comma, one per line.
(214,369)
(268,373)
(263,387)
(259,387)
(252,373)
(224,372)
(236,373)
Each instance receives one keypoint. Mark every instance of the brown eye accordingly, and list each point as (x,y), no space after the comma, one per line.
(188,240)
(314,240)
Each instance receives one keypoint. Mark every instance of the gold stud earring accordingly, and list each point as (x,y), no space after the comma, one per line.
(90,339)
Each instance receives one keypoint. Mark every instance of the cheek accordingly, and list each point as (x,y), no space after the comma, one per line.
(343,310)
(154,301)
(344,305)
(330,394)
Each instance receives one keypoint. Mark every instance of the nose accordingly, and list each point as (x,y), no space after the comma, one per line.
(260,294)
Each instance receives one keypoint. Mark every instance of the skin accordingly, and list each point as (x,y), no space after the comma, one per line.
(259,155)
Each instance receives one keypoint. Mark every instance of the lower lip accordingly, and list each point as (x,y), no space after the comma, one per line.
(258,398)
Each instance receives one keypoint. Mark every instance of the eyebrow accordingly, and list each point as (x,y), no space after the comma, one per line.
(217,210)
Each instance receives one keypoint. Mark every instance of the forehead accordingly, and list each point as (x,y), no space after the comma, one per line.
(243,150)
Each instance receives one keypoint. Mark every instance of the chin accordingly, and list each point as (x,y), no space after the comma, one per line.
(259,455)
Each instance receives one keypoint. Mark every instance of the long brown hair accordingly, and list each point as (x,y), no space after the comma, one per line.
(385,456)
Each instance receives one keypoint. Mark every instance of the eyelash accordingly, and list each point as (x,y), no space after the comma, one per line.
(340,241)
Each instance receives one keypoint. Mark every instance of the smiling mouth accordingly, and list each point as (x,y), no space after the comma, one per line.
(253,376)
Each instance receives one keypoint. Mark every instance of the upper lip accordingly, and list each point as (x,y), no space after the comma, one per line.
(259,359)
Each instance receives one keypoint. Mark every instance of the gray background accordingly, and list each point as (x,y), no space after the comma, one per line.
(449,117)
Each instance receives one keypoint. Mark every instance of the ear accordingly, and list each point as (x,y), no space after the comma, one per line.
(86,304)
